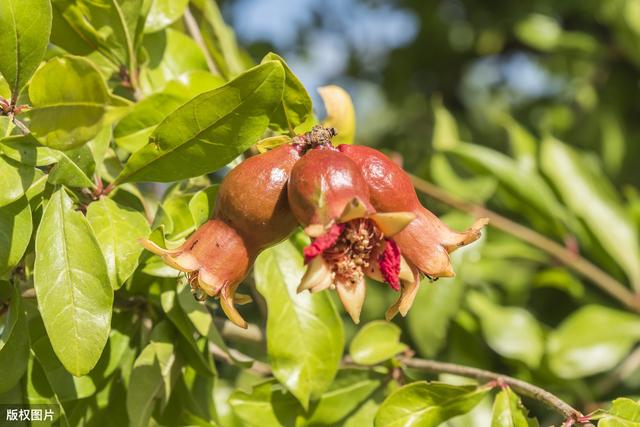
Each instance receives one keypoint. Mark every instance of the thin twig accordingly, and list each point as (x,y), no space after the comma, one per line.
(572,260)
(519,386)
(194,30)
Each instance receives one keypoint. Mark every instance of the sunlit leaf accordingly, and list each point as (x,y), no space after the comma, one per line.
(376,342)
(15,232)
(341,114)
(73,288)
(309,320)
(163,13)
(623,413)
(509,412)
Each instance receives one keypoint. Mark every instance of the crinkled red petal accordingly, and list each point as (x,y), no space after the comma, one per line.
(389,262)
(323,242)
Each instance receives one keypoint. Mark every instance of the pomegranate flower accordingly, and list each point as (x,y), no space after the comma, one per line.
(252,213)
(329,197)
(426,242)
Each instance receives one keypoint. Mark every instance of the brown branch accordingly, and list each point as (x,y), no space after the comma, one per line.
(571,414)
(194,30)
(572,260)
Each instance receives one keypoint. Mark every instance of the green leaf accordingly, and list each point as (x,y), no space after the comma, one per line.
(14,343)
(133,131)
(117,230)
(15,233)
(376,342)
(16,179)
(210,130)
(508,410)
(309,320)
(623,413)
(586,192)
(73,289)
(512,332)
(27,150)
(436,304)
(591,340)
(539,31)
(340,113)
(107,26)
(202,204)
(152,376)
(427,404)
(163,13)
(266,406)
(171,55)
(445,129)
(26,25)
(66,387)
(74,168)
(295,107)
(69,98)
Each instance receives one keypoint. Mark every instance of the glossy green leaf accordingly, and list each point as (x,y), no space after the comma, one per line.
(163,13)
(26,25)
(267,405)
(508,410)
(133,131)
(192,83)
(16,179)
(210,130)
(202,204)
(586,192)
(425,404)
(28,151)
(376,342)
(66,387)
(623,413)
(309,320)
(171,55)
(591,340)
(73,288)
(69,98)
(341,114)
(296,106)
(15,232)
(436,304)
(117,230)
(512,332)
(14,343)
(110,27)
(74,168)
(151,378)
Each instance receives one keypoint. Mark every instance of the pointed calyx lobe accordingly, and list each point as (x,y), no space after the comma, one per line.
(252,213)
(426,242)
(330,198)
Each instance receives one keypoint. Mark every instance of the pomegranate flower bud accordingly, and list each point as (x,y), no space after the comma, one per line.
(330,198)
(426,242)
(252,213)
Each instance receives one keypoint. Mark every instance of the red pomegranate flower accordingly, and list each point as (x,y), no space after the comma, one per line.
(330,198)
(252,213)
(426,242)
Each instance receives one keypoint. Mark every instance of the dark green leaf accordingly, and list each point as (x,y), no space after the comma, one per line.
(424,404)
(69,98)
(117,230)
(376,342)
(73,288)
(211,130)
(14,343)
(309,320)
(296,106)
(26,25)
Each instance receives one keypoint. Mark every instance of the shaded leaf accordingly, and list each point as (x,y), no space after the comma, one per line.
(28,151)
(586,343)
(16,179)
(202,203)
(117,230)
(210,130)
(14,343)
(376,342)
(74,168)
(309,320)
(427,404)
(26,25)
(15,232)
(73,289)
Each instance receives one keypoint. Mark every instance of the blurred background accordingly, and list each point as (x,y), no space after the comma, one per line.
(528,109)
